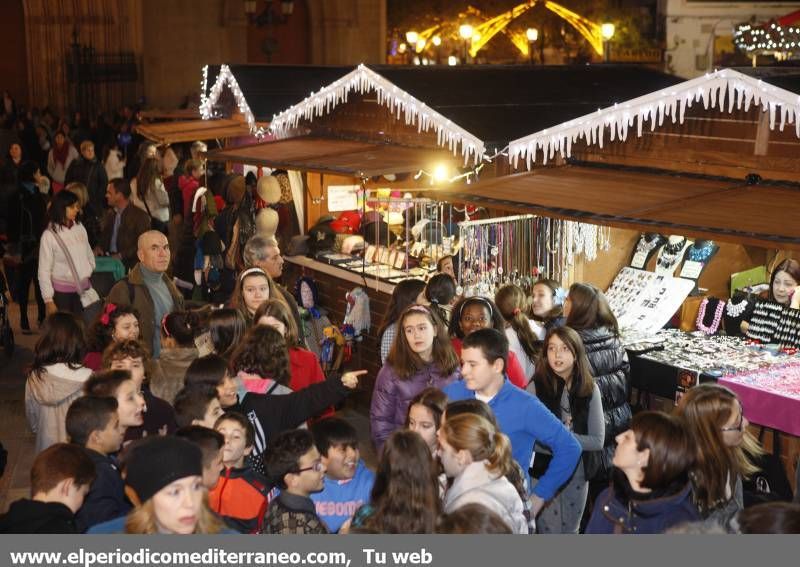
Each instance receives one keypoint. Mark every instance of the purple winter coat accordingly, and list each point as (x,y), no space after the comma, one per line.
(391,397)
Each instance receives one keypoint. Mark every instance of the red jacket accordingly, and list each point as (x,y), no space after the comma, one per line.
(304,369)
(241,496)
(188,185)
(514,370)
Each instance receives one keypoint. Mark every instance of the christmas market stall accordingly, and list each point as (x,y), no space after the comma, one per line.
(374,147)
(700,182)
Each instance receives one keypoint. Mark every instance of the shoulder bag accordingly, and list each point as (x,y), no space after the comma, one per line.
(88,296)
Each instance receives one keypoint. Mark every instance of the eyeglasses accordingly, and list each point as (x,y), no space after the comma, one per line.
(316,466)
(738,426)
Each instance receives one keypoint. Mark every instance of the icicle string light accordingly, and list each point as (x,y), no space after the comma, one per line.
(225,77)
(402,105)
(713,90)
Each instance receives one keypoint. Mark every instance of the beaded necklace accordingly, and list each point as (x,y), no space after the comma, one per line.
(701,315)
(702,253)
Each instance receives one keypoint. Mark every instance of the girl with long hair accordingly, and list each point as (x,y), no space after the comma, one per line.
(253,288)
(226,328)
(524,336)
(148,192)
(725,450)
(56,378)
(425,413)
(116,323)
(474,313)
(564,384)
(650,491)
(64,245)
(405,495)
(588,313)
(421,356)
(405,294)
(261,361)
(547,303)
(477,457)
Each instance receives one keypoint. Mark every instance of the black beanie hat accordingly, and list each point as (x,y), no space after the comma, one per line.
(158,461)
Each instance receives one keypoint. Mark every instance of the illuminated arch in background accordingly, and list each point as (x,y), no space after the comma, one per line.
(488,29)
(485,31)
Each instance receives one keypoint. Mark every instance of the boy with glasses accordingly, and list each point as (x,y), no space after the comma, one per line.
(295,466)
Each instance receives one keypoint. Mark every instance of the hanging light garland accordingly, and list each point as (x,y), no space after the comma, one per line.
(713,90)
(224,78)
(780,36)
(400,103)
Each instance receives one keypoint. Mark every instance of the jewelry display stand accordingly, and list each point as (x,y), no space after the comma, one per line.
(697,257)
(671,255)
(647,245)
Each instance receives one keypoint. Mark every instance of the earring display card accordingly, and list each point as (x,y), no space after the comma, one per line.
(644,301)
(692,269)
(369,255)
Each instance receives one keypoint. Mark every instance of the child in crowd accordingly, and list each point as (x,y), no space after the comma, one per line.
(472,519)
(521,416)
(210,443)
(226,327)
(178,331)
(197,405)
(478,457)
(159,418)
(93,423)
(524,335)
(119,384)
(212,370)
(348,481)
(565,385)
(241,495)
(439,294)
(475,313)
(421,356)
(425,415)
(404,295)
(405,495)
(115,324)
(56,378)
(294,464)
(60,478)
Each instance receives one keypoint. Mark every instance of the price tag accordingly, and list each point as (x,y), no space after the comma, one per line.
(639,259)
(692,269)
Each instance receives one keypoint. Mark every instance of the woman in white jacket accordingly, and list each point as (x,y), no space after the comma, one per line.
(148,192)
(60,291)
(61,155)
(478,457)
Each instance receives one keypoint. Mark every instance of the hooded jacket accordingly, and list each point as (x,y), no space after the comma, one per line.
(47,399)
(611,371)
(477,485)
(616,514)
(33,517)
(392,394)
(169,371)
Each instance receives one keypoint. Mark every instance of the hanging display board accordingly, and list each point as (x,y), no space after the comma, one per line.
(644,301)
(342,197)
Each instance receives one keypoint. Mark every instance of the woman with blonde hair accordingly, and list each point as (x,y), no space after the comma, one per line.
(478,457)
(724,450)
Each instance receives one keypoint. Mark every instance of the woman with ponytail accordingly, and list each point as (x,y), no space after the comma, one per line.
(478,457)
(524,336)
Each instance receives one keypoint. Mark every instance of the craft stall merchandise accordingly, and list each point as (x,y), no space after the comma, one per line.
(520,249)
(400,237)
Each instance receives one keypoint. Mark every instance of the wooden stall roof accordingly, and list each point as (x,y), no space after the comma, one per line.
(496,103)
(334,155)
(722,209)
(169,114)
(191,130)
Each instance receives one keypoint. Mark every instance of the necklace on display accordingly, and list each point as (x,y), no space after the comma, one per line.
(646,245)
(702,253)
(735,310)
(671,253)
(701,315)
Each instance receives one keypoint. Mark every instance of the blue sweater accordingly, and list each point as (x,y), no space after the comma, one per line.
(526,421)
(340,499)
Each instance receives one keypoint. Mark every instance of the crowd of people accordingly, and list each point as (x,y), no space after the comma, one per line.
(154,413)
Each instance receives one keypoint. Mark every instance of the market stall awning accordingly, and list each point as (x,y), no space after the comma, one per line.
(728,210)
(337,156)
(191,130)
